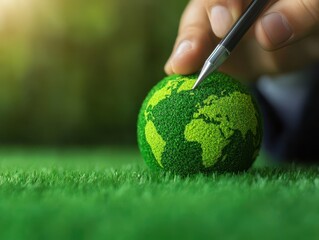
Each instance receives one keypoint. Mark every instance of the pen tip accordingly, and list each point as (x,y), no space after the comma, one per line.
(195,85)
(203,74)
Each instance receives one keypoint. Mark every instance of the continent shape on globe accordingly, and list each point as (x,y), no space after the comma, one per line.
(183,127)
(216,110)
(153,138)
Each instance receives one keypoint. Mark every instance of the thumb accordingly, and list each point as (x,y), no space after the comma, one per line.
(287,21)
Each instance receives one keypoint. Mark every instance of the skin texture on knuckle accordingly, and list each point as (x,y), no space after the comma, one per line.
(301,15)
(312,8)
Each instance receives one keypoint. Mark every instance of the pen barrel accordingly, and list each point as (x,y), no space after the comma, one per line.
(243,24)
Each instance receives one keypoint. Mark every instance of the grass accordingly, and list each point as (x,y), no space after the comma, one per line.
(109,194)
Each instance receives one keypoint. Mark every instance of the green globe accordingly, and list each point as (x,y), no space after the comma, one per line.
(216,127)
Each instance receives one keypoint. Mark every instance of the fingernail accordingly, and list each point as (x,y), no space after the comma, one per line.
(183,47)
(276,28)
(221,20)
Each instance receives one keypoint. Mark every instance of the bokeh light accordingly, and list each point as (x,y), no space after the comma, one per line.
(75,71)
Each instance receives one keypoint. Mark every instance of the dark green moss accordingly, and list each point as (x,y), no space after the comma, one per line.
(171,115)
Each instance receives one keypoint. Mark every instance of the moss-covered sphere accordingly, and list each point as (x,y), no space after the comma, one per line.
(216,127)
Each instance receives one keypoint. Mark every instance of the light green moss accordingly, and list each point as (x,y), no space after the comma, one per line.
(186,85)
(235,111)
(161,94)
(214,127)
(203,133)
(155,141)
(226,114)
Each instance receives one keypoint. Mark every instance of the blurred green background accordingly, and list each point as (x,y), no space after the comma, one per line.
(76,72)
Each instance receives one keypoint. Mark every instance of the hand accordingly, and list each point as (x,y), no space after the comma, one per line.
(284,38)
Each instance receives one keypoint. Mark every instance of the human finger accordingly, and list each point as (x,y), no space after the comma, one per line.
(223,14)
(287,21)
(194,42)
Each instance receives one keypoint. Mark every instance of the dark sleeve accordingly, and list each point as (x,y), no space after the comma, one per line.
(290,108)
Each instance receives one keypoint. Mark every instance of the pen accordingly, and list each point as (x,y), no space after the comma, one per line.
(230,41)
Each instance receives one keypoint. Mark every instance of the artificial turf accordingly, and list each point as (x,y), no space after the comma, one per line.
(110,194)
